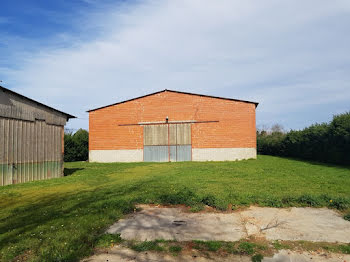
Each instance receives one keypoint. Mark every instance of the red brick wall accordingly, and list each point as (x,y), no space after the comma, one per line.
(235,129)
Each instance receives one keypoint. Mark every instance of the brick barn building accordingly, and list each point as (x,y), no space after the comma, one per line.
(173,126)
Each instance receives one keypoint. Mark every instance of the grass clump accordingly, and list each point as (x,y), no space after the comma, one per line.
(345,249)
(175,250)
(246,248)
(207,245)
(279,245)
(182,196)
(107,240)
(347,217)
(148,246)
(257,258)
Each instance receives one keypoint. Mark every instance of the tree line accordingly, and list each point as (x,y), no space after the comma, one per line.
(326,142)
(76,145)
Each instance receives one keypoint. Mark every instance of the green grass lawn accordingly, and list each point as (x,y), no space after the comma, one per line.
(62,219)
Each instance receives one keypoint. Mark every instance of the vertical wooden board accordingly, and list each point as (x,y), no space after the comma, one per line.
(42,162)
(24,150)
(38,149)
(53,143)
(57,157)
(9,149)
(31,149)
(45,150)
(14,151)
(45,127)
(57,150)
(54,150)
(183,134)
(19,151)
(2,141)
(2,152)
(173,134)
(62,152)
(8,175)
(48,151)
(39,141)
(27,150)
(34,149)
(155,135)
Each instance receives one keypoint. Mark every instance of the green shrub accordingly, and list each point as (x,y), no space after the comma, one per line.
(327,142)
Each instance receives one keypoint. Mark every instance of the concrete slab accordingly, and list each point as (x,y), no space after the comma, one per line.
(310,224)
(290,256)
(153,223)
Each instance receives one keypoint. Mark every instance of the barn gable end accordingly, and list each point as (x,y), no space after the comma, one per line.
(31,139)
(220,128)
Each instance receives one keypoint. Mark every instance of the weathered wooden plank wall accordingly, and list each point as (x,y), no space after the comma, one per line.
(29,151)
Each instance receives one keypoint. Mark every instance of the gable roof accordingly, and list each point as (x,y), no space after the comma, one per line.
(173,91)
(6,90)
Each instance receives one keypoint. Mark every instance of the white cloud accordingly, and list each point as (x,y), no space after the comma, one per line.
(286,55)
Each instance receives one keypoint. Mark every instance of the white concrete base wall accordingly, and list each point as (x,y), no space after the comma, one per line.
(198,154)
(222,154)
(108,156)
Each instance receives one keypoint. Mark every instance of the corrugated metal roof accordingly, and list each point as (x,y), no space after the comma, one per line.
(38,103)
(173,91)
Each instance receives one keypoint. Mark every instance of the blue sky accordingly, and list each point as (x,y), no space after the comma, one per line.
(291,56)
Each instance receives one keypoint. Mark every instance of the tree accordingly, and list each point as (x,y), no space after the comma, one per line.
(76,146)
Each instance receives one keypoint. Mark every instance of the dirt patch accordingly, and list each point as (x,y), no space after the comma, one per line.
(119,253)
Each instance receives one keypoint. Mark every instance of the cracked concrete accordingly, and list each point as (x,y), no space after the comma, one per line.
(153,223)
(310,224)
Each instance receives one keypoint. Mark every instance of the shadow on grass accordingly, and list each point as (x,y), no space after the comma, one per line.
(71,171)
(310,161)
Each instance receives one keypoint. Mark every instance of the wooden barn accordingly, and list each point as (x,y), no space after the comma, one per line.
(31,139)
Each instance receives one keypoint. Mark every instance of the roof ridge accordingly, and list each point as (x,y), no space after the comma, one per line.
(174,91)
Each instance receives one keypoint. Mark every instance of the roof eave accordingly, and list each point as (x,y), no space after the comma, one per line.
(69,116)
